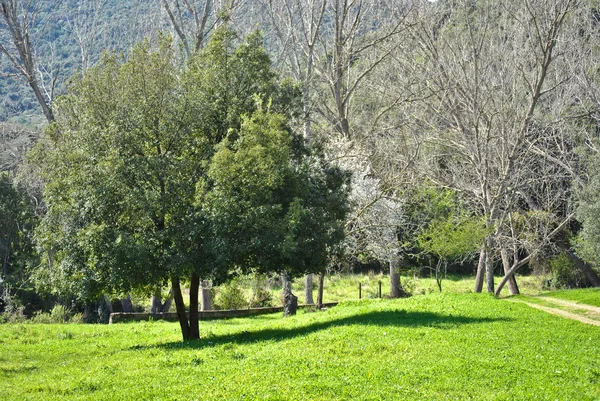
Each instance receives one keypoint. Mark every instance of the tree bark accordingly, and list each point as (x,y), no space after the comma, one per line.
(308,289)
(194,333)
(320,292)
(489,268)
(513,288)
(290,301)
(206,300)
(396,290)
(585,268)
(180,307)
(480,271)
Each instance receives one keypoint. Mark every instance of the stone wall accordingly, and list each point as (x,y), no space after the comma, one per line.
(203,315)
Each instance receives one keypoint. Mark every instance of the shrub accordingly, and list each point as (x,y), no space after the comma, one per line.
(261,294)
(261,298)
(59,314)
(564,273)
(230,296)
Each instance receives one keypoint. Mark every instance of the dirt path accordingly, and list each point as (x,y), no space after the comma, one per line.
(571,304)
(562,313)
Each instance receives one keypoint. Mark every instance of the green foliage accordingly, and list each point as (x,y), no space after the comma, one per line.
(564,273)
(275,207)
(261,294)
(454,237)
(442,228)
(372,349)
(58,314)
(131,145)
(230,296)
(17,220)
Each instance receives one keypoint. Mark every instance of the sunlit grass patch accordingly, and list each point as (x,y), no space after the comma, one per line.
(435,346)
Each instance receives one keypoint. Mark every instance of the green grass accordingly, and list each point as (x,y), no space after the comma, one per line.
(590,296)
(342,287)
(435,346)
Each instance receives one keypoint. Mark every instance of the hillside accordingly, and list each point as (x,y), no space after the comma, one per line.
(62,31)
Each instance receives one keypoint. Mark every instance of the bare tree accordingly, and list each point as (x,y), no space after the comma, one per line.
(19,21)
(193,20)
(490,77)
(15,141)
(87,27)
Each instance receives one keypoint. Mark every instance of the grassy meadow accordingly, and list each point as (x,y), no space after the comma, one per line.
(431,346)
(344,287)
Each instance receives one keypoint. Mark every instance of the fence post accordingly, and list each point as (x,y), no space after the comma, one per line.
(359,290)
(379,288)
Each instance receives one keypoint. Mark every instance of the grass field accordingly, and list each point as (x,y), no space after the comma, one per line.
(433,346)
(590,296)
(342,287)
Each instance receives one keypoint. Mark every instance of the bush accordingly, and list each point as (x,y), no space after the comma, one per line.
(261,298)
(12,310)
(564,274)
(230,296)
(58,314)
(261,294)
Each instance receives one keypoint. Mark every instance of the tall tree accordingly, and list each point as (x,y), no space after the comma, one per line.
(274,206)
(122,164)
(17,42)
(492,76)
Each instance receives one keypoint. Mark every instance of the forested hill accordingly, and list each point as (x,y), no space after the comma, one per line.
(67,34)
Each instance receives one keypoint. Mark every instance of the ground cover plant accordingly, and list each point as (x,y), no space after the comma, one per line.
(435,346)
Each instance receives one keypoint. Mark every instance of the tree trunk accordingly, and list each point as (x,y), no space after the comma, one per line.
(180,307)
(6,259)
(396,290)
(206,300)
(127,304)
(489,267)
(513,288)
(320,292)
(585,268)
(290,301)
(308,289)
(480,271)
(194,292)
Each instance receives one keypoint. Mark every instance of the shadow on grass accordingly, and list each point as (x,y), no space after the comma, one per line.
(399,318)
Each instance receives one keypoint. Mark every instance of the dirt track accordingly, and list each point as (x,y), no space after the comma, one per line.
(563,313)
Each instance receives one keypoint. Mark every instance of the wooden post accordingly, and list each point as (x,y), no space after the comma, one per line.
(359,290)
(379,288)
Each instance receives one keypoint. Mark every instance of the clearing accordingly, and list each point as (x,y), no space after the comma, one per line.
(434,346)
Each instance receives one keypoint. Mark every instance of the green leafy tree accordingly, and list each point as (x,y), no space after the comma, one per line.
(16,249)
(454,237)
(275,206)
(131,145)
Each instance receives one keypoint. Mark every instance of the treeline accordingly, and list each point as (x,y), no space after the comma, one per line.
(469,129)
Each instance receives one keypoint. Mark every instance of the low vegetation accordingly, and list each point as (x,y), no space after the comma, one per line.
(426,347)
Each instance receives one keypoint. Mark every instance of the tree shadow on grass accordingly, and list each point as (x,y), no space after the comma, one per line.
(400,318)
